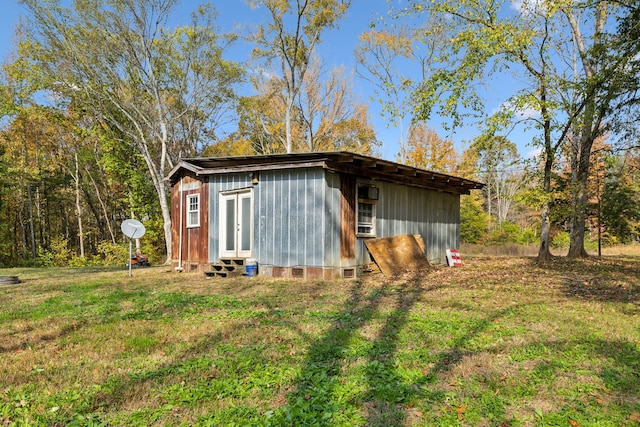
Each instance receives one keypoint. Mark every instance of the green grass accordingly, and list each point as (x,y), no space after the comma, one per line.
(498,342)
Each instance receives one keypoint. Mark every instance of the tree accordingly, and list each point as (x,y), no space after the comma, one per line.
(498,163)
(386,57)
(596,108)
(481,44)
(473,219)
(162,89)
(570,97)
(327,117)
(626,43)
(425,149)
(331,118)
(621,199)
(25,150)
(293,45)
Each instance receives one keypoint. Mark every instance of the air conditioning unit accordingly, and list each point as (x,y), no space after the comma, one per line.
(368,192)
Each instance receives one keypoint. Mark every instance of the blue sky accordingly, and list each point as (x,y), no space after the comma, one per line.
(336,50)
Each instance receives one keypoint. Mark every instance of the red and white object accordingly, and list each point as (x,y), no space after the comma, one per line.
(453,258)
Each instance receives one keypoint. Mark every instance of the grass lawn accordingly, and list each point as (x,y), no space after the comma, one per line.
(497,342)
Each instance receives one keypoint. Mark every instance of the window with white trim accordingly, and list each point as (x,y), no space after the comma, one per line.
(193,210)
(366,211)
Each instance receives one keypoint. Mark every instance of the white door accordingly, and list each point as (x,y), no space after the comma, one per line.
(236,224)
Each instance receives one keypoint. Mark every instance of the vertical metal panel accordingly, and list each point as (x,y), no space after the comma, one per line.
(332,221)
(297,217)
(288,217)
(315,218)
(217,184)
(411,210)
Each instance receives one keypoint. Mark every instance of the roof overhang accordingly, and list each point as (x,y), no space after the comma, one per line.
(339,161)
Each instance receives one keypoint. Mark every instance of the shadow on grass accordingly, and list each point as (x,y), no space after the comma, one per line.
(324,393)
(609,279)
(320,395)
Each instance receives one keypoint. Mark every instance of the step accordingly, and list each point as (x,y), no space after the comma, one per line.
(224,268)
(227,267)
(240,262)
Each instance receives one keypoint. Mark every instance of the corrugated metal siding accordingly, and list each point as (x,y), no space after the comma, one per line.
(331,222)
(217,184)
(297,217)
(411,210)
(289,215)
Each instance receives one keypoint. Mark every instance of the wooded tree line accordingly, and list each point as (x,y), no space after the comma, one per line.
(100,99)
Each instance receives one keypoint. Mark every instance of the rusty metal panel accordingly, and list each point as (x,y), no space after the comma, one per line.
(193,247)
(347,217)
(198,237)
(175,222)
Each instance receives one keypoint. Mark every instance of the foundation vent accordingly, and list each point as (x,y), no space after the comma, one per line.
(297,273)
(349,273)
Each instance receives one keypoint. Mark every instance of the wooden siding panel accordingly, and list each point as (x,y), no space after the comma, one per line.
(194,240)
(347,216)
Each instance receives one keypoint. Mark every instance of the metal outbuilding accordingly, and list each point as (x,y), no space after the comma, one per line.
(307,214)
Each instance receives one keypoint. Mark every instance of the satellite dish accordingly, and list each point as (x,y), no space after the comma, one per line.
(132,228)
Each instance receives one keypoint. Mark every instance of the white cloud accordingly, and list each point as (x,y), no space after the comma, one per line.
(526,113)
(263,72)
(534,154)
(528,7)
(519,113)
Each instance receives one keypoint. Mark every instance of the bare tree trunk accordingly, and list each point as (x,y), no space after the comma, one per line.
(581,194)
(588,126)
(287,124)
(489,202)
(104,208)
(544,252)
(32,231)
(576,245)
(160,186)
(79,205)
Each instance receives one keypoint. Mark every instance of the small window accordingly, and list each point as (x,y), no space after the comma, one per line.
(367,197)
(193,210)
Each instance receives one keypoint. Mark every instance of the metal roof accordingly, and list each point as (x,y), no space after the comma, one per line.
(338,161)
